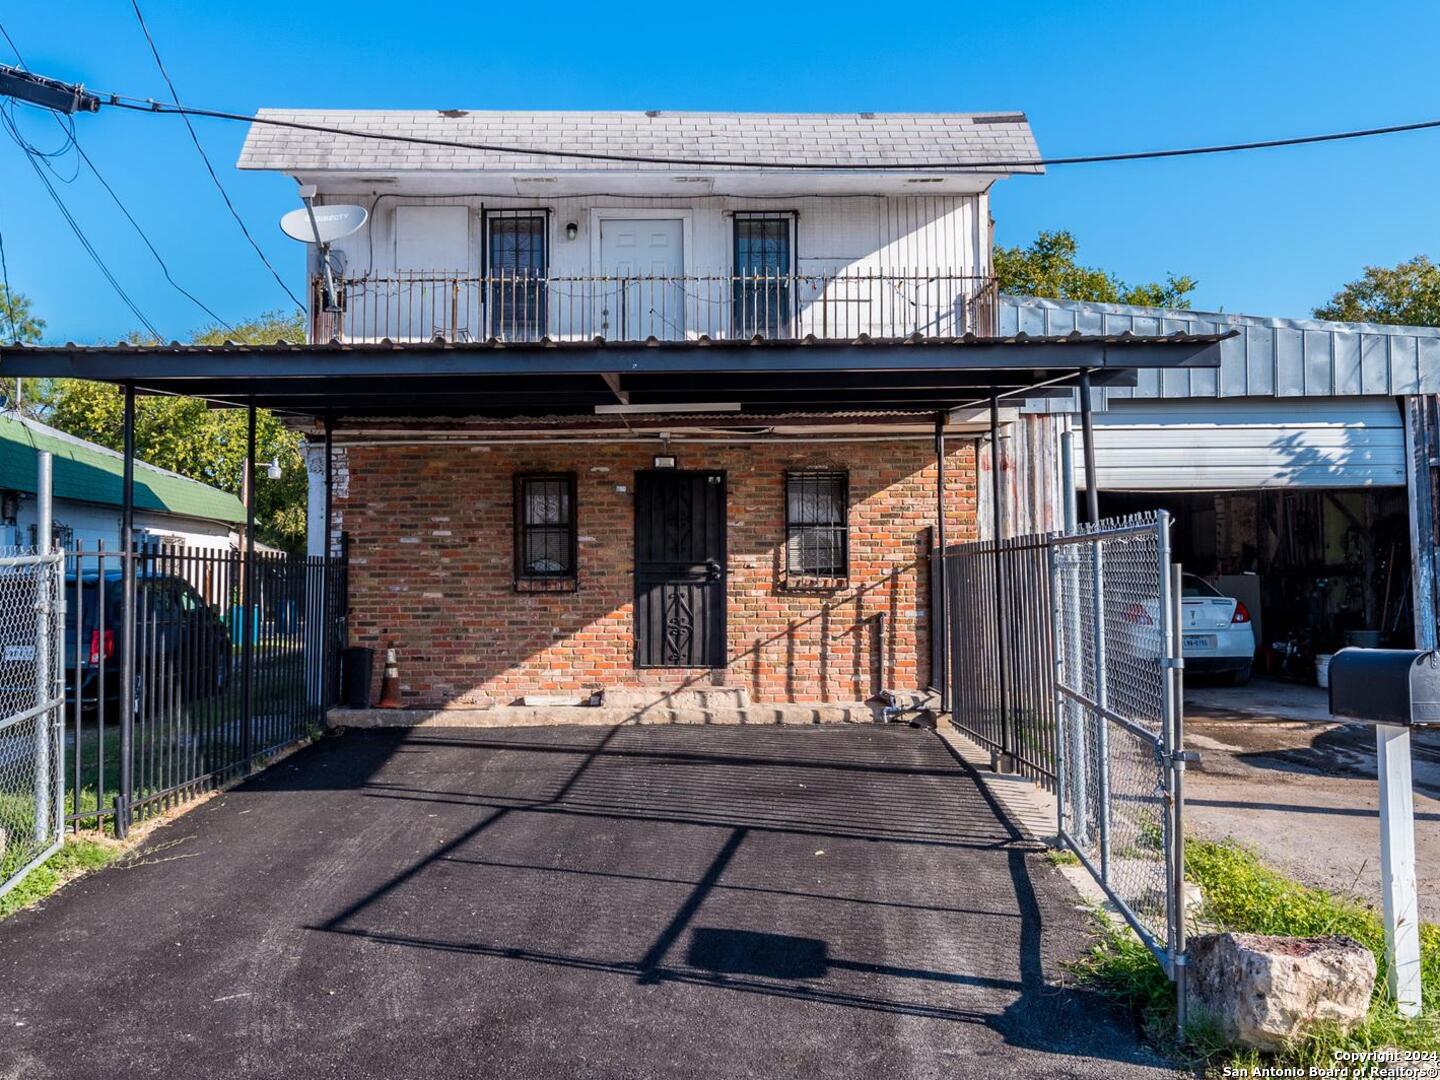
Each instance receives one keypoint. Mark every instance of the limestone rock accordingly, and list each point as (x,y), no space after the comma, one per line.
(1261,990)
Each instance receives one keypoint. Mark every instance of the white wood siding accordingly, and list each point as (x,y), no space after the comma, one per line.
(1248,443)
(865,232)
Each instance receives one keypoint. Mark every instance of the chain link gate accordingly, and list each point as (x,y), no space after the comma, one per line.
(1119,757)
(32,697)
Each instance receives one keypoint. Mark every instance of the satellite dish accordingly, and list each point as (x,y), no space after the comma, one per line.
(332,223)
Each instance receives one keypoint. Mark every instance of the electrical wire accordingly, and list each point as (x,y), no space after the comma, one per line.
(148,105)
(159,63)
(67,124)
(77,230)
(9,297)
(164,269)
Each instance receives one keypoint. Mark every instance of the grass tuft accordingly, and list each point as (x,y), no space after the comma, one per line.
(1243,895)
(78,856)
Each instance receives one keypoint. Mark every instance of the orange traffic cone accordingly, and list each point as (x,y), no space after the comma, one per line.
(390,684)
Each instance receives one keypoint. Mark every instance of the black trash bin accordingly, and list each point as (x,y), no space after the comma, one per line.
(357,671)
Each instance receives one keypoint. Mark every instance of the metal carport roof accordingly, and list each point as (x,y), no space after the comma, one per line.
(505,379)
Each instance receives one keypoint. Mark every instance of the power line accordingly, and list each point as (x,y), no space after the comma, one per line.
(67,124)
(146,105)
(9,296)
(164,269)
(77,230)
(155,52)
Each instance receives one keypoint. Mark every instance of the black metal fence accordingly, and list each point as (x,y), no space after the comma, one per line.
(234,658)
(1001,686)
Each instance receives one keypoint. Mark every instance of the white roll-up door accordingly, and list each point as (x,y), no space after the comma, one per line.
(1220,444)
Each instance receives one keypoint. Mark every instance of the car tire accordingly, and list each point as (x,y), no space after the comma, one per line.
(1240,676)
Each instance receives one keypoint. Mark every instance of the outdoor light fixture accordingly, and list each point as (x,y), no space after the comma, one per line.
(571,231)
(665,461)
(274,472)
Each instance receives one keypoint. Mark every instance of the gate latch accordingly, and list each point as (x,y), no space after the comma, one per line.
(1180,758)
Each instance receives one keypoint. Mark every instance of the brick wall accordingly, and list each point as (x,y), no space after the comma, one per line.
(432,562)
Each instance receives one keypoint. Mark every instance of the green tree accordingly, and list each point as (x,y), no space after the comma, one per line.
(186,436)
(1048,267)
(1408,294)
(18,321)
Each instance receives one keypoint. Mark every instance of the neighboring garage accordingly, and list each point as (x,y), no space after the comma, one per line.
(1297,507)
(1286,468)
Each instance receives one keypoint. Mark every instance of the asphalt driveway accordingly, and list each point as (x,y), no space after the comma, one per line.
(570,902)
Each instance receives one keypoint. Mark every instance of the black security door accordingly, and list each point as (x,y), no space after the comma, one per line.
(679,569)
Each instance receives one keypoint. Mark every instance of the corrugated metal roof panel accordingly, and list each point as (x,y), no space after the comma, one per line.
(1269,358)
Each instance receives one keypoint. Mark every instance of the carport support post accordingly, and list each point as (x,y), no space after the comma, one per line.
(941,628)
(247,600)
(127,621)
(326,623)
(1006,759)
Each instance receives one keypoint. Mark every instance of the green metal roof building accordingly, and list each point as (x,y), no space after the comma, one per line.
(88,478)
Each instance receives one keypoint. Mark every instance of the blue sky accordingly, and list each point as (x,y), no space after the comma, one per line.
(1272,233)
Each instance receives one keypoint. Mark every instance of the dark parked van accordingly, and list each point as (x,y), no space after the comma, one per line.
(180,641)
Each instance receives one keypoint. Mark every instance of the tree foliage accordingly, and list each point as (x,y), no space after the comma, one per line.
(1049,267)
(1408,294)
(18,321)
(186,436)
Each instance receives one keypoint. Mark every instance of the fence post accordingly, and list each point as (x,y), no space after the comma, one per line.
(1005,761)
(1059,644)
(1178,962)
(1102,699)
(44,692)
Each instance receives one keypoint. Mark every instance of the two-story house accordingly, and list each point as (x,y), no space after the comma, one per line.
(645,403)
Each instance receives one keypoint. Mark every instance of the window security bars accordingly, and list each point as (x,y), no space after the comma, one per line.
(519,298)
(546,537)
(516,269)
(817,532)
(763,255)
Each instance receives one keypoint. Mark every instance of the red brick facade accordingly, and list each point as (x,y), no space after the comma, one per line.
(431,557)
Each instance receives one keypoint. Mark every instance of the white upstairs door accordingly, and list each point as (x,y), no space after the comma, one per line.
(643,260)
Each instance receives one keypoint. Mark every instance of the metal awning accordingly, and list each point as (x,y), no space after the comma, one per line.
(443,378)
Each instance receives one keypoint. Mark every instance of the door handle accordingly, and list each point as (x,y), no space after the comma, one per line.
(713,570)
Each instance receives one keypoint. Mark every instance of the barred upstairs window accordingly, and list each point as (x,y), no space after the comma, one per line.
(817,531)
(545,533)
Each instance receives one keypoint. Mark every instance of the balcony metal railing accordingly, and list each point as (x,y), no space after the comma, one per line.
(521,306)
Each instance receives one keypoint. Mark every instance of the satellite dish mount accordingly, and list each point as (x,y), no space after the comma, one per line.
(322,226)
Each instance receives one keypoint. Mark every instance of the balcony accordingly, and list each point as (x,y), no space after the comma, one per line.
(520,306)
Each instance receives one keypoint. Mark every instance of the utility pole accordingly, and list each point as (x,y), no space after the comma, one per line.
(62,97)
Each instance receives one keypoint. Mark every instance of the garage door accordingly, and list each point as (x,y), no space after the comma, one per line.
(1249,443)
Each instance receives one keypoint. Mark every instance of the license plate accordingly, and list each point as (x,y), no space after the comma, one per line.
(1199,641)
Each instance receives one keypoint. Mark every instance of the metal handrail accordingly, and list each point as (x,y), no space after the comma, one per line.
(522,305)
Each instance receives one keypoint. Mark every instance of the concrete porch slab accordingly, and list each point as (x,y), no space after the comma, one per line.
(606,716)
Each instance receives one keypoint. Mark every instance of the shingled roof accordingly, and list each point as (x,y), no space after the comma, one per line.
(960,142)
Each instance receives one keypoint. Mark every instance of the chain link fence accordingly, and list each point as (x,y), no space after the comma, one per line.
(1064,663)
(32,812)
(1116,682)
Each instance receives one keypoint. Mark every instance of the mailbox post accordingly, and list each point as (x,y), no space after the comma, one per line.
(1394,689)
